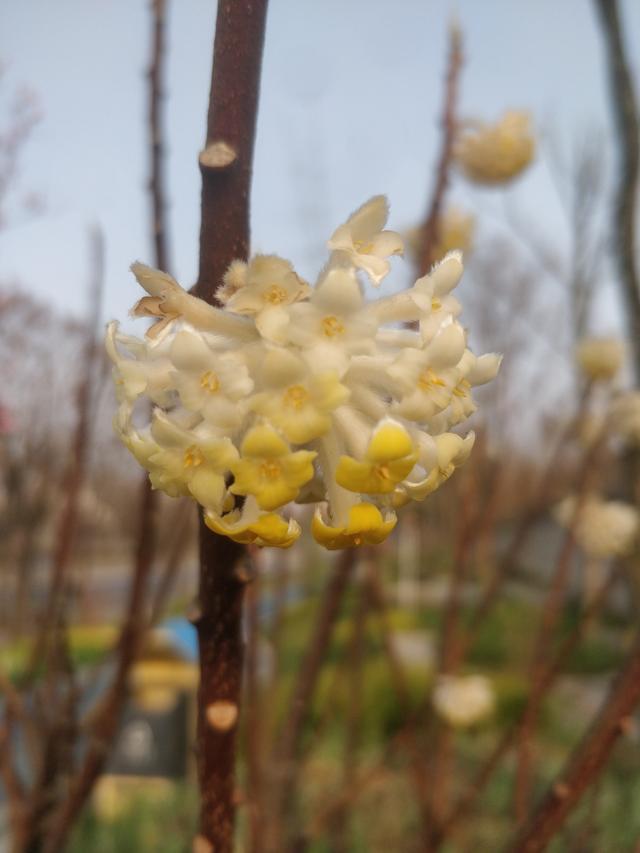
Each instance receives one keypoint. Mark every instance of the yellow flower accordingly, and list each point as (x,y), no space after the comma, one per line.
(389,458)
(455,232)
(362,240)
(600,358)
(495,154)
(366,526)
(296,400)
(251,527)
(190,461)
(269,470)
(451,451)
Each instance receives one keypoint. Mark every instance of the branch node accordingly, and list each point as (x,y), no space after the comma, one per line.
(561,790)
(627,726)
(244,572)
(194,613)
(201,845)
(218,155)
(222,715)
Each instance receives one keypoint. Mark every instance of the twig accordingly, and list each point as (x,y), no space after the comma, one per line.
(523,531)
(76,471)
(107,716)
(288,744)
(431,226)
(587,761)
(254,718)
(478,784)
(548,621)
(625,110)
(156,137)
(225,165)
(172,565)
(355,661)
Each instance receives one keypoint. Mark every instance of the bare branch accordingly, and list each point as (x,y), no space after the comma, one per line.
(224,236)
(625,110)
(586,763)
(430,229)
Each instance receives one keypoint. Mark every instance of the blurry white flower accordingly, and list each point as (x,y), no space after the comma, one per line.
(262,289)
(293,393)
(625,417)
(600,358)
(496,153)
(364,243)
(602,528)
(455,231)
(463,700)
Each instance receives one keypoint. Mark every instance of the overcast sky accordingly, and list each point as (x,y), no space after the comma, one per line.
(350,104)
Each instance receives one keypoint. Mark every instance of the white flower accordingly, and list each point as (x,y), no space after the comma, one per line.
(209,381)
(496,153)
(364,243)
(602,528)
(331,326)
(262,289)
(600,358)
(147,370)
(292,393)
(463,700)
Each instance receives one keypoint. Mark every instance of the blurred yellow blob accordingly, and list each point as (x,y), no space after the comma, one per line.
(496,153)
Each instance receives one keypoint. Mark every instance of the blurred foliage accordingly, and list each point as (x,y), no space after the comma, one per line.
(162,824)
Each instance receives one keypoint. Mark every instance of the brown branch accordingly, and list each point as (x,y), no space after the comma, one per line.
(355,662)
(288,744)
(586,762)
(76,469)
(523,530)
(226,166)
(156,137)
(106,718)
(171,568)
(551,611)
(436,805)
(625,109)
(254,719)
(226,161)
(467,800)
(432,222)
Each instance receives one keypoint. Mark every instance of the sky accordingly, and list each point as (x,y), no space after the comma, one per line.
(349,108)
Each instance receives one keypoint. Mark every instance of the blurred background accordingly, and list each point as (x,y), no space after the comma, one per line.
(516,585)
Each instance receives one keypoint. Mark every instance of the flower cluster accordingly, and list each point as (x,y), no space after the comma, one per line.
(602,528)
(600,359)
(495,153)
(463,700)
(298,393)
(455,232)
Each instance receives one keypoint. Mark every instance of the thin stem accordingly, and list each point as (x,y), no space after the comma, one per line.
(479,782)
(586,762)
(431,227)
(625,110)
(226,166)
(254,719)
(288,745)
(156,137)
(551,611)
(107,715)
